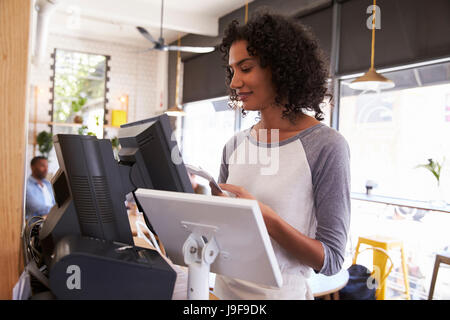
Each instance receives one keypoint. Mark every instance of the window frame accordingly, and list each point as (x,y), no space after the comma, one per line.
(52,89)
(336,113)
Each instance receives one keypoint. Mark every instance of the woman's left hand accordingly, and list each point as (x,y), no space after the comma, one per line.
(238,191)
(305,249)
(268,214)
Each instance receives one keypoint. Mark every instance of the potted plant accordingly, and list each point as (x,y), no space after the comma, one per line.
(45,143)
(435,168)
(116,146)
(76,106)
(84,131)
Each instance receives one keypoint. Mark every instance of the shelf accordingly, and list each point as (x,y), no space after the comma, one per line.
(424,205)
(71,124)
(64,124)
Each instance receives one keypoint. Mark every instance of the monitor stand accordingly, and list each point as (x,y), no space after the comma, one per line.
(199,251)
(196,229)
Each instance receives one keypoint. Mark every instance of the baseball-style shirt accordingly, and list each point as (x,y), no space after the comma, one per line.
(305,179)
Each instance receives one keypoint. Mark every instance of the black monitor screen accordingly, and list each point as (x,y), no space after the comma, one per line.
(148,145)
(60,188)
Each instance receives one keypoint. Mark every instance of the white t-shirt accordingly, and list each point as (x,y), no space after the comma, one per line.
(47,195)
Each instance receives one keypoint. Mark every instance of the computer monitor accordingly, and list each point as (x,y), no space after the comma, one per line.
(88,186)
(89,228)
(149,148)
(223,235)
(150,157)
(92,186)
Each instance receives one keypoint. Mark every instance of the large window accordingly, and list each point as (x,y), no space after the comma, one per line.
(79,92)
(391,132)
(206,128)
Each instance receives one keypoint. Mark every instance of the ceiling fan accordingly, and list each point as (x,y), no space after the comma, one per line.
(159,44)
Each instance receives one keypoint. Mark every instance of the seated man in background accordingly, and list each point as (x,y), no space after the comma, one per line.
(39,195)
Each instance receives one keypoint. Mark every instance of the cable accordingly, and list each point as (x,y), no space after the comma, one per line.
(32,243)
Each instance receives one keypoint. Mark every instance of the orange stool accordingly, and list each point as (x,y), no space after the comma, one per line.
(380,260)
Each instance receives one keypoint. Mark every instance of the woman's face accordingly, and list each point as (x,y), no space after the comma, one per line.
(253,84)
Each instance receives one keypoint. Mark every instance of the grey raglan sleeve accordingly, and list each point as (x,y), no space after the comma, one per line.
(228,150)
(331,186)
(223,173)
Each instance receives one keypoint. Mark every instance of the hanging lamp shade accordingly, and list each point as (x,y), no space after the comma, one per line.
(177,109)
(372,80)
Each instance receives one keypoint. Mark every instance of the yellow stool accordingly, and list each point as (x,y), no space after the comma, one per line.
(376,274)
(380,260)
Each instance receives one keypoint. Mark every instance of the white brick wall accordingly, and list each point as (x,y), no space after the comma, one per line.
(141,75)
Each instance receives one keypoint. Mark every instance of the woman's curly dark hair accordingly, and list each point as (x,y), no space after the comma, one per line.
(289,49)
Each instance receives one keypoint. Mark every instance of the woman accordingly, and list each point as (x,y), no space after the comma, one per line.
(302,187)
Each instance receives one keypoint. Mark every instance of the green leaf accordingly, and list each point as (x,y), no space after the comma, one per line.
(45,142)
(434,167)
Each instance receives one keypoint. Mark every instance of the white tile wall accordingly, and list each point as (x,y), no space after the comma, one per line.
(141,75)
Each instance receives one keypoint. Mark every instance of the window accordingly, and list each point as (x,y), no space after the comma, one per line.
(206,128)
(391,132)
(250,119)
(79,90)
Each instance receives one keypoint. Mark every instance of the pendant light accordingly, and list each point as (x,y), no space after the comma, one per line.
(372,80)
(177,110)
(246,12)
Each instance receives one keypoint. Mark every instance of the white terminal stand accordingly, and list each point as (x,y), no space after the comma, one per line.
(223,235)
(198,256)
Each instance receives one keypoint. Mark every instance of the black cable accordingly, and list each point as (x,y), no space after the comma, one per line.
(31,238)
